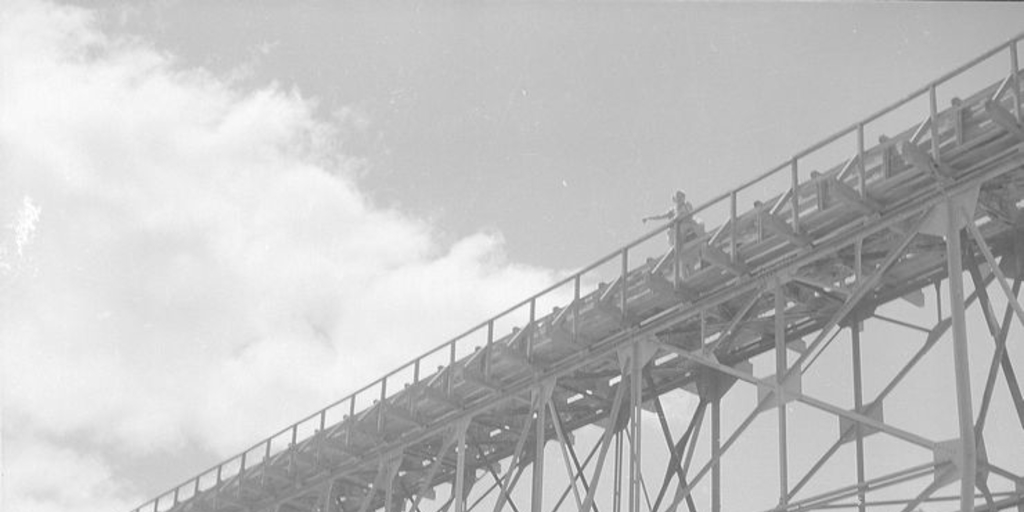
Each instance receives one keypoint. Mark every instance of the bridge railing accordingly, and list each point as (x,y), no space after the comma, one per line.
(789,171)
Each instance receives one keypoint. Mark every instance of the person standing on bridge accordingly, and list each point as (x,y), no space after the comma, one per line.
(682,210)
(688,228)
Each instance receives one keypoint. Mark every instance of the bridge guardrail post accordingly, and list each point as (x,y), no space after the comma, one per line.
(625,284)
(1015,72)
(734,229)
(450,380)
(486,359)
(677,245)
(576,307)
(795,197)
(381,402)
(862,168)
(933,116)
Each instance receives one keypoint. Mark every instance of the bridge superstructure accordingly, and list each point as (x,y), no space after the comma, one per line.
(801,254)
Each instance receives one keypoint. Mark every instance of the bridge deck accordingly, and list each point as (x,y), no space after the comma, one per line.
(712,295)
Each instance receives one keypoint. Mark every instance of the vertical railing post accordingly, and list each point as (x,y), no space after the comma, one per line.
(624,284)
(450,381)
(795,199)
(886,163)
(382,401)
(1014,69)
(351,418)
(576,307)
(933,121)
(487,351)
(677,247)
(862,186)
(533,319)
(734,231)
(862,169)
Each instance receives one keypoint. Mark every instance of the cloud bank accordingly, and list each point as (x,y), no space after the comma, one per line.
(186,264)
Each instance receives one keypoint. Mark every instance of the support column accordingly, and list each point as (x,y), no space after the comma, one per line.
(426,483)
(460,472)
(858,404)
(330,503)
(537,493)
(617,475)
(387,468)
(509,481)
(780,399)
(968,455)
(564,445)
(389,491)
(636,390)
(606,440)
(716,453)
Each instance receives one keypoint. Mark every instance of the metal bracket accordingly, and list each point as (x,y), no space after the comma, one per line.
(947,453)
(848,427)
(791,388)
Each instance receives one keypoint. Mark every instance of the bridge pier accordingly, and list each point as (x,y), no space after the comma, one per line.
(965,412)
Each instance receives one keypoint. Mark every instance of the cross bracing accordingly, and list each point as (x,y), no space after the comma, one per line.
(777,279)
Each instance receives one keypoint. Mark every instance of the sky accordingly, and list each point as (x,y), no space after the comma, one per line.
(218,217)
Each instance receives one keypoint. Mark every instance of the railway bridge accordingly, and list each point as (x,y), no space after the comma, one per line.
(642,381)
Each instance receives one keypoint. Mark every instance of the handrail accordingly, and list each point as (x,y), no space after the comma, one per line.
(575,277)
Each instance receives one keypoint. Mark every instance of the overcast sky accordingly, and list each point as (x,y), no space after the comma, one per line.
(212,214)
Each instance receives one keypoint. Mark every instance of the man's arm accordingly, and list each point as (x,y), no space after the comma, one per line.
(666,215)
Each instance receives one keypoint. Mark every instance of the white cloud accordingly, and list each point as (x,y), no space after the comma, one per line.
(203,267)
(24,226)
(43,477)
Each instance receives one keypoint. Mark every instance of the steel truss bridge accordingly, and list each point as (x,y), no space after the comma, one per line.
(543,406)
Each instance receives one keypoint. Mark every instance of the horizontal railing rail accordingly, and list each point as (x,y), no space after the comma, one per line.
(219,473)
